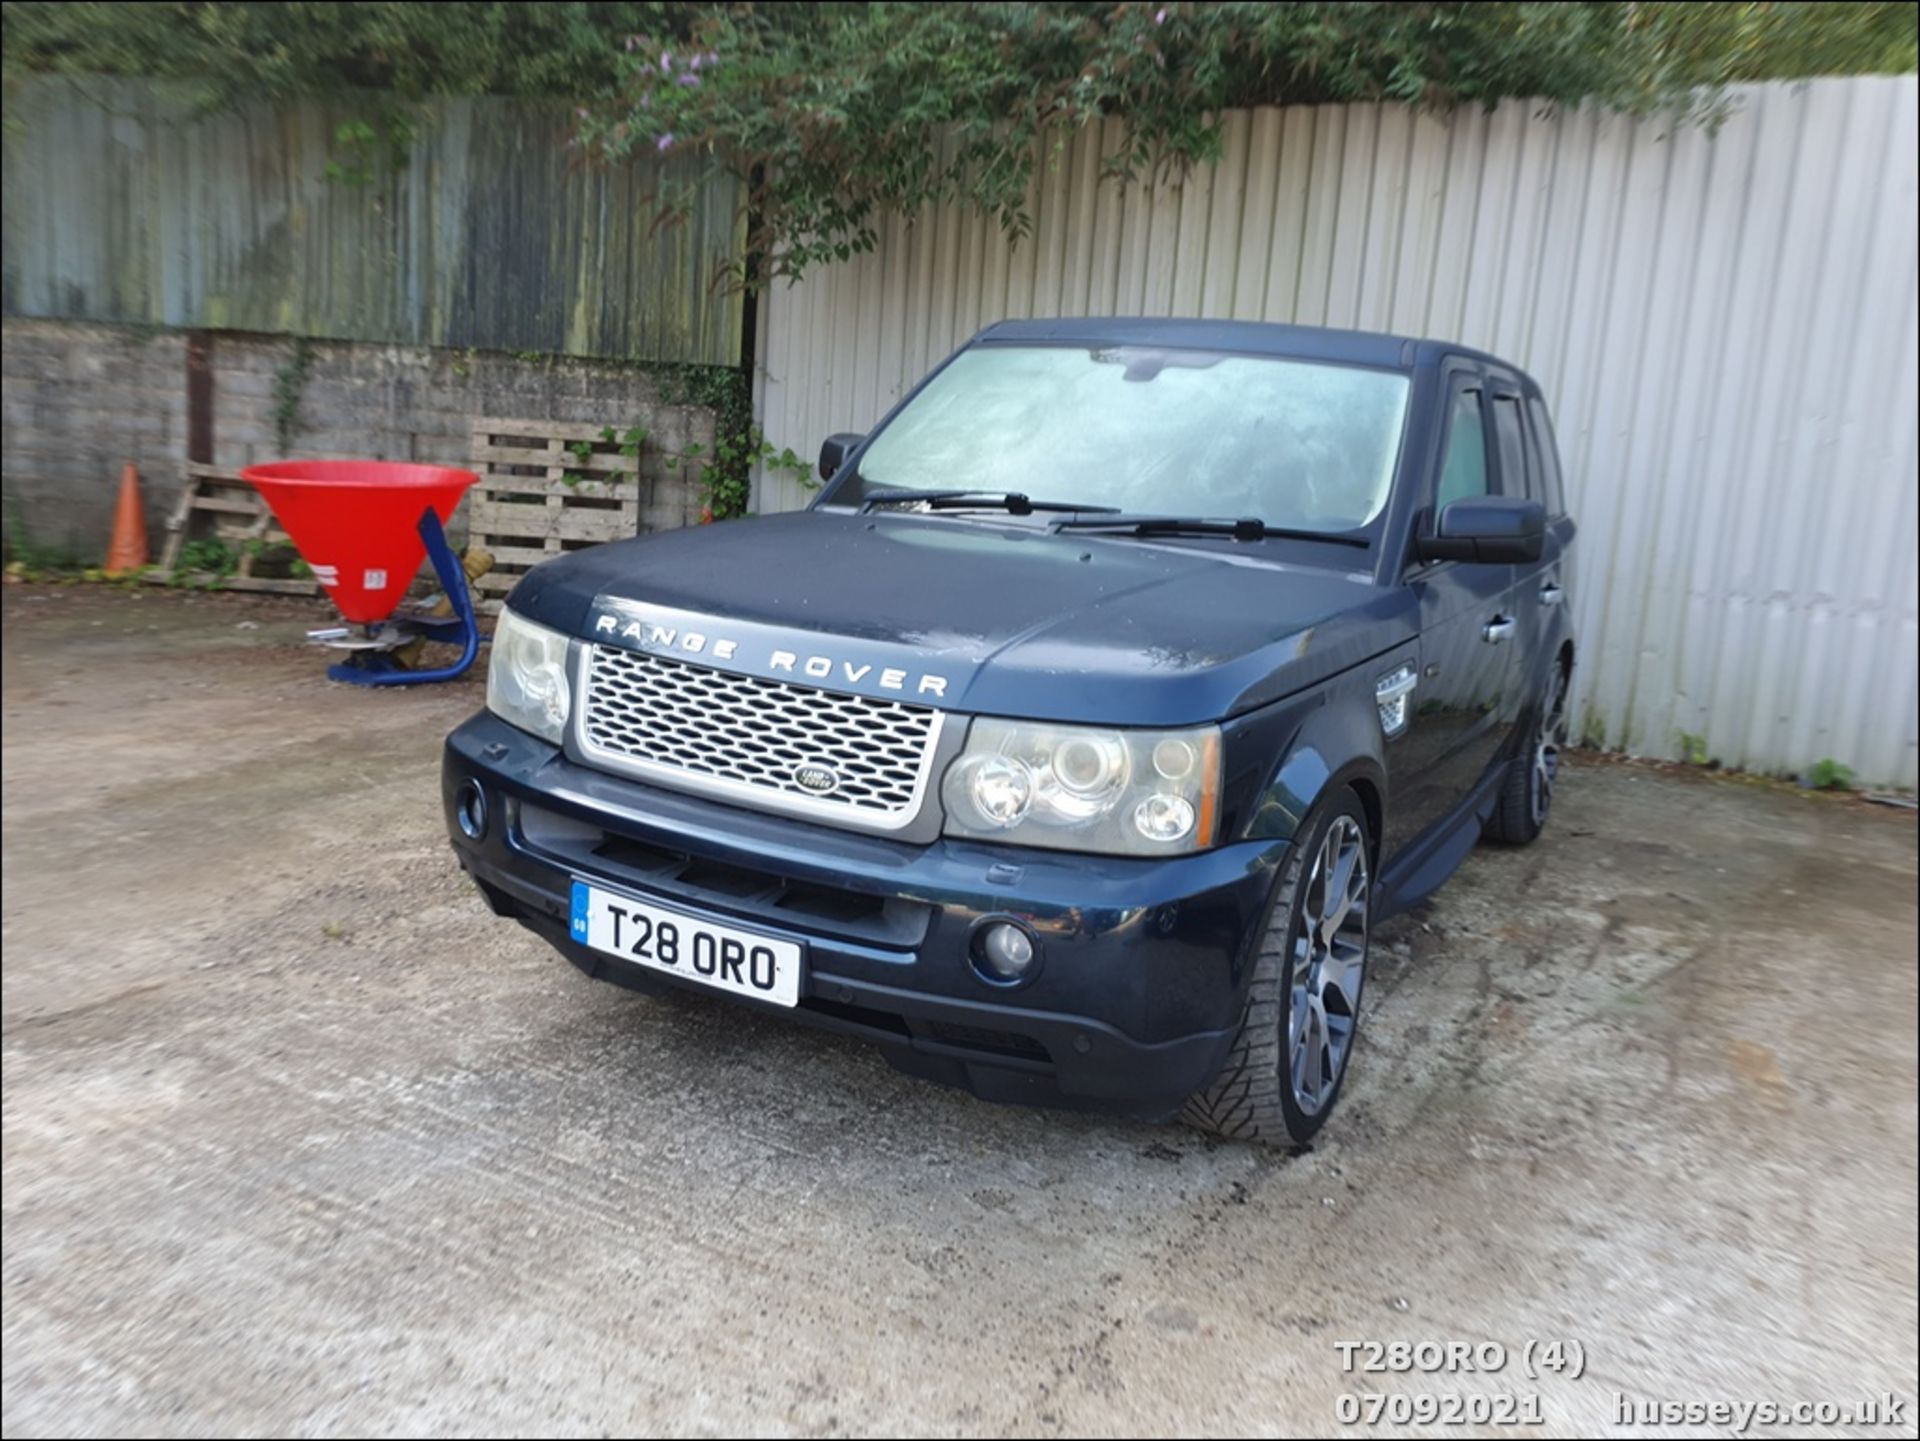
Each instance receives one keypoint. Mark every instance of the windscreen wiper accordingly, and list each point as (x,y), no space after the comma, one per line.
(1011,501)
(1245,528)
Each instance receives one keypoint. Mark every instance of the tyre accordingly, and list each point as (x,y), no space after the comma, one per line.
(1288,1059)
(1527,794)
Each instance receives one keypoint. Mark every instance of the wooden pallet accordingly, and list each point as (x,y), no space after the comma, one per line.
(216,504)
(537,499)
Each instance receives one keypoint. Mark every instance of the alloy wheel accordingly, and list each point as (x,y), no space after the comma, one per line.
(1329,965)
(1548,738)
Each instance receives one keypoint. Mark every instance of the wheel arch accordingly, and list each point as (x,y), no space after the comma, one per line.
(1558,657)
(1373,802)
(1558,651)
(1337,745)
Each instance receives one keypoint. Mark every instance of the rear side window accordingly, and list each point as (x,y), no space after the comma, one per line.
(1464,471)
(1513,445)
(1548,462)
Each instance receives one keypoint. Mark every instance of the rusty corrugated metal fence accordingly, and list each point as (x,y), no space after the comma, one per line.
(121,205)
(1725,324)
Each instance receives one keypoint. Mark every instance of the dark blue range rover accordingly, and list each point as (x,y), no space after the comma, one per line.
(1071,743)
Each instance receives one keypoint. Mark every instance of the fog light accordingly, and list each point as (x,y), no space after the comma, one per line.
(1003,952)
(470,810)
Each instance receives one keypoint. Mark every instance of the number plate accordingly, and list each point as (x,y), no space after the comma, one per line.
(739,962)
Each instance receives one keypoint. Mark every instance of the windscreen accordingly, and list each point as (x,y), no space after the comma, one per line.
(1299,444)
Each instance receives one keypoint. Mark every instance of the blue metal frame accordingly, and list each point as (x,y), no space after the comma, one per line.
(379,668)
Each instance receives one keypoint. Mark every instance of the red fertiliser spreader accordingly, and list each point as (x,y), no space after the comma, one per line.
(364,526)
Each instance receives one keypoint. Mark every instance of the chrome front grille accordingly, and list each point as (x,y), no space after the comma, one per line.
(740,736)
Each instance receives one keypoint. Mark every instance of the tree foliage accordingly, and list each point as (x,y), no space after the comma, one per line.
(230,53)
(835,112)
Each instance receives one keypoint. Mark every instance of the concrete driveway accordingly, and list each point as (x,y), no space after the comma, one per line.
(298,1138)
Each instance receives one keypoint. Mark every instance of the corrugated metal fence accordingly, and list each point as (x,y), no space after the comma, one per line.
(1725,324)
(123,206)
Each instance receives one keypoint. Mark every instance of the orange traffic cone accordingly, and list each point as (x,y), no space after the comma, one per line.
(128,551)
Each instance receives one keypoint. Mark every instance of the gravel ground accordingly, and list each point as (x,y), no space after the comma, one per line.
(298,1138)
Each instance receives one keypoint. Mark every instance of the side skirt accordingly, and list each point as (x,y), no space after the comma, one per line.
(1420,870)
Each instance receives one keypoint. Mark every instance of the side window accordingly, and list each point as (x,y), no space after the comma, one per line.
(1554,494)
(1536,473)
(1464,470)
(1513,446)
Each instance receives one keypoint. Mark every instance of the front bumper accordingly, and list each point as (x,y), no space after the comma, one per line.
(1132,1008)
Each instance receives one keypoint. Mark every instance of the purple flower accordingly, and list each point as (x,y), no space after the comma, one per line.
(1159,17)
(694,64)
(687,77)
(663,144)
(666,61)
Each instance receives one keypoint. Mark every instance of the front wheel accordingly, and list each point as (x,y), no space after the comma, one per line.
(1289,1057)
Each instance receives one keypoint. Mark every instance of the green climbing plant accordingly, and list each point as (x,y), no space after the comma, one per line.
(629,440)
(724,471)
(289,381)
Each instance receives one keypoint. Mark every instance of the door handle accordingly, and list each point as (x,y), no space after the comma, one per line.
(1551,593)
(1500,628)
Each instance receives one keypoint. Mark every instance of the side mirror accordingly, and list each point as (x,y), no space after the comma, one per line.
(834,451)
(1489,530)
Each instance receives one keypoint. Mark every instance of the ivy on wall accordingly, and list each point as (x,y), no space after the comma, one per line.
(725,474)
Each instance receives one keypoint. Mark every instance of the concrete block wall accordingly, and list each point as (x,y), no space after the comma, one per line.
(76,403)
(81,400)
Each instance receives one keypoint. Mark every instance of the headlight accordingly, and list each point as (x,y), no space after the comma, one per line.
(527,677)
(1073,788)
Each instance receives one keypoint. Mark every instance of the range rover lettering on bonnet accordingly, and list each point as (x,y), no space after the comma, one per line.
(651,635)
